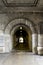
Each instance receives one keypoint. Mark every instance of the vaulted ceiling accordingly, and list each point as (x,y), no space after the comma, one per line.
(29,3)
(11,9)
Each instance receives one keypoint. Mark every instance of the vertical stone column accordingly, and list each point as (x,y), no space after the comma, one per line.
(2,43)
(40,44)
(34,43)
(8,43)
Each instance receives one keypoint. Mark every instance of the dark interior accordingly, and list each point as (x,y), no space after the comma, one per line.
(21,41)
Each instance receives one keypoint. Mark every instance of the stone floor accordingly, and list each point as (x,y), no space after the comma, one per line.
(20,58)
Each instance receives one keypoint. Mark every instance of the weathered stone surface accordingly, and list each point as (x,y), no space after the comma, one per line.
(34,43)
(9,16)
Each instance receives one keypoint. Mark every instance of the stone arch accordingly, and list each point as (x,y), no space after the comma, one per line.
(24,21)
(28,31)
(14,28)
(12,25)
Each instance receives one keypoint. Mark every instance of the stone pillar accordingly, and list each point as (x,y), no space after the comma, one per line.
(2,42)
(34,43)
(8,43)
(40,44)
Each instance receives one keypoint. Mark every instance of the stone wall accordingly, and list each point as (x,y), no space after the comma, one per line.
(9,16)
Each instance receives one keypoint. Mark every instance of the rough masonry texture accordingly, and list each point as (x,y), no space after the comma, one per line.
(28,14)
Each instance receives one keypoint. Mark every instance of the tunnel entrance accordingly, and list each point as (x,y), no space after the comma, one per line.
(22,39)
(13,41)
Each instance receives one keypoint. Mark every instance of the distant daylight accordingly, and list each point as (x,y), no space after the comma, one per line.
(21,32)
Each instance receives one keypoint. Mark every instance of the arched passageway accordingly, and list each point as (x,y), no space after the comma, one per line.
(12,30)
(22,39)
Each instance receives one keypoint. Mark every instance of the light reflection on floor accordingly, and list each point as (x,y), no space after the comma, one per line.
(20,58)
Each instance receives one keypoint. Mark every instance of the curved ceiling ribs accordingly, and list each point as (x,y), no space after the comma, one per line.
(32,27)
(20,23)
(5,2)
(28,4)
(17,26)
